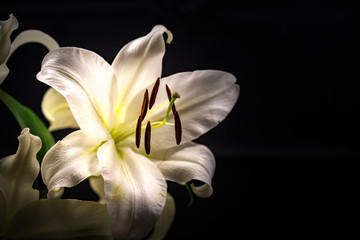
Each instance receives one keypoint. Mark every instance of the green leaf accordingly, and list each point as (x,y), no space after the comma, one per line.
(26,118)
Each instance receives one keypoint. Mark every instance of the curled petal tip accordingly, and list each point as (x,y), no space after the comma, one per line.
(165,30)
(169,37)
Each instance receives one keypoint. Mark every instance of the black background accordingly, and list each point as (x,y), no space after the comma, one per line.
(287,155)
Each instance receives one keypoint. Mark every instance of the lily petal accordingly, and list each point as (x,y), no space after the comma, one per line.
(18,173)
(33,36)
(97,185)
(61,219)
(28,36)
(69,162)
(4,71)
(88,84)
(165,221)
(2,216)
(206,98)
(135,191)
(137,65)
(6,28)
(57,111)
(187,162)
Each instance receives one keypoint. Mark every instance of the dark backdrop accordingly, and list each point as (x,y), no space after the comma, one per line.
(287,155)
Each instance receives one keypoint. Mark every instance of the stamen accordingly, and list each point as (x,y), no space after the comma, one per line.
(168,91)
(147,137)
(138,132)
(178,128)
(154,92)
(169,94)
(144,106)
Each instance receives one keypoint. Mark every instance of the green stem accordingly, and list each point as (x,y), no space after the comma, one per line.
(191,195)
(167,114)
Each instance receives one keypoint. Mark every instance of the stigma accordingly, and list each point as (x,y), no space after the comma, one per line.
(147,104)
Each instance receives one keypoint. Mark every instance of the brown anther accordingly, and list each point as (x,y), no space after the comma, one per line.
(138,132)
(144,106)
(154,92)
(169,94)
(178,128)
(147,137)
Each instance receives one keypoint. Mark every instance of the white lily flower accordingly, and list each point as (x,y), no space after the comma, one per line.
(57,112)
(24,216)
(112,107)
(28,36)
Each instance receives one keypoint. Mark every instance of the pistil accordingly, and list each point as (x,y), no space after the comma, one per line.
(169,94)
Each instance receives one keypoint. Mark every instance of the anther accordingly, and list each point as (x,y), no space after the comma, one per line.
(138,132)
(169,94)
(144,106)
(178,128)
(154,93)
(147,137)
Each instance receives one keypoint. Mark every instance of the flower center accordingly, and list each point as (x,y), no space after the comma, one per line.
(137,126)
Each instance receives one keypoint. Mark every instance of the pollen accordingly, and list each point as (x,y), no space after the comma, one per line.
(145,104)
(147,137)
(178,128)
(138,132)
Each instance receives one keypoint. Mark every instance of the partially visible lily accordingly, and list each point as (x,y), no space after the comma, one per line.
(24,216)
(28,36)
(6,28)
(23,115)
(131,135)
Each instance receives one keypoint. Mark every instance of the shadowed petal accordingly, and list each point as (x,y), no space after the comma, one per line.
(33,36)
(137,65)
(135,191)
(6,28)
(165,221)
(61,219)
(2,216)
(88,84)
(69,162)
(18,173)
(97,185)
(57,111)
(187,162)
(28,36)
